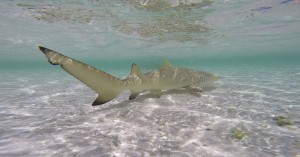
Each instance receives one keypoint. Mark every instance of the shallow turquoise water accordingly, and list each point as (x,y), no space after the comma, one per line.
(235,33)
(252,45)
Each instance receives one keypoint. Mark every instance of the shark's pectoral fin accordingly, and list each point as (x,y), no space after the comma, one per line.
(133,95)
(157,93)
(194,88)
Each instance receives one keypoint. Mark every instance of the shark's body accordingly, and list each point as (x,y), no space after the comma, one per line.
(108,87)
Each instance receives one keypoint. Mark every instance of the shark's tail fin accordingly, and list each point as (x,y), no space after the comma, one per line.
(107,86)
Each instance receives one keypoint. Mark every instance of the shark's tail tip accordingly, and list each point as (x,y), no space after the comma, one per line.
(42,48)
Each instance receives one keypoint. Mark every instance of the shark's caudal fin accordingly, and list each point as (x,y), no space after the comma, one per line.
(107,86)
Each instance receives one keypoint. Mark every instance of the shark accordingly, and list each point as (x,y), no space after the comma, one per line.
(109,87)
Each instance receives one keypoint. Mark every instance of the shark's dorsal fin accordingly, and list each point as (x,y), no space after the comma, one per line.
(166,64)
(135,70)
(135,73)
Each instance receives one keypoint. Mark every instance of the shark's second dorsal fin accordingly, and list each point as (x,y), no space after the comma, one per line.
(135,70)
(166,64)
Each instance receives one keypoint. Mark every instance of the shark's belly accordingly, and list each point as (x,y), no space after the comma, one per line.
(168,85)
(159,85)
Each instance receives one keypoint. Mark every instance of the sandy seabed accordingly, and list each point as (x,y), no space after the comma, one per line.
(44,115)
